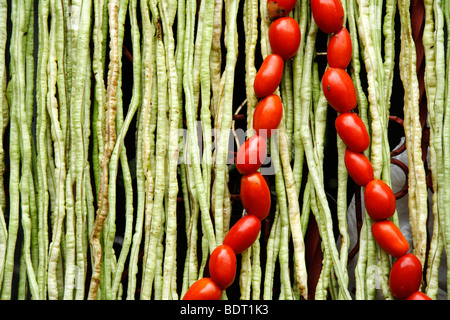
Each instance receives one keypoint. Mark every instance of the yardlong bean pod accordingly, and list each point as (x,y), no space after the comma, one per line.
(216,57)
(59,143)
(283,253)
(294,214)
(194,157)
(222,136)
(24,19)
(205,90)
(134,104)
(174,114)
(251,36)
(110,139)
(417,193)
(157,219)
(446,139)
(4,119)
(302,15)
(79,98)
(192,227)
(119,152)
(41,147)
(250,16)
(272,256)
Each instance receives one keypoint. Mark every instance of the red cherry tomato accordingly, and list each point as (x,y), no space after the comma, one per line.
(328,15)
(390,238)
(379,200)
(339,90)
(418,296)
(339,50)
(222,266)
(284,37)
(406,276)
(269,75)
(203,289)
(243,233)
(359,167)
(267,115)
(255,195)
(279,8)
(352,131)
(251,154)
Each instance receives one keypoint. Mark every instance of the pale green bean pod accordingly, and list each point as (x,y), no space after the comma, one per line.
(434,53)
(417,188)
(110,139)
(4,119)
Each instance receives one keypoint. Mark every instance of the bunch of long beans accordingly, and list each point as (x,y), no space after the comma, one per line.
(106,191)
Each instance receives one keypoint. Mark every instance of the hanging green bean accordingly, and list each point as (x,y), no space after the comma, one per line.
(109,140)
(4,114)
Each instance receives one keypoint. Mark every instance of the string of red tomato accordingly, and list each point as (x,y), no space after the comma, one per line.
(405,277)
(406,273)
(254,191)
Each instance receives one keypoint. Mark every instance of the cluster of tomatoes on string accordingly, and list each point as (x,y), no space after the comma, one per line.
(405,277)
(284,37)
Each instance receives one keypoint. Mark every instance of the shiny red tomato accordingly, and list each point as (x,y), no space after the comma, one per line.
(352,131)
(279,8)
(269,75)
(267,115)
(243,233)
(251,154)
(339,90)
(222,266)
(406,276)
(390,238)
(203,289)
(328,15)
(255,195)
(339,50)
(284,37)
(418,296)
(359,167)
(379,200)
